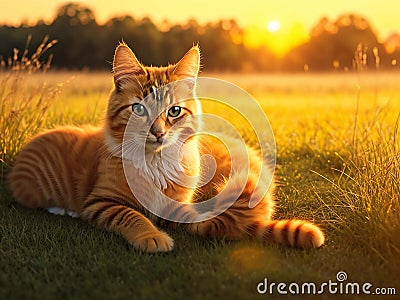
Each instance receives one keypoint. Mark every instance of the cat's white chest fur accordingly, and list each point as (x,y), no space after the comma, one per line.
(149,180)
(148,183)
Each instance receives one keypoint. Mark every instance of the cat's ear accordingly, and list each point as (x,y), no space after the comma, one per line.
(125,65)
(189,65)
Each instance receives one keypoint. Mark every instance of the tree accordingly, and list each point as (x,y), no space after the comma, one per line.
(332,44)
(74,14)
(82,43)
(76,30)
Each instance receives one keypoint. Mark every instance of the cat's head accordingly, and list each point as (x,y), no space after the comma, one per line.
(152,105)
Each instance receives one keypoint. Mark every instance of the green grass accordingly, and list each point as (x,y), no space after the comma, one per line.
(335,169)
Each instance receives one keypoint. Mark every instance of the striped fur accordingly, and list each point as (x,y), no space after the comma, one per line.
(81,169)
(240,221)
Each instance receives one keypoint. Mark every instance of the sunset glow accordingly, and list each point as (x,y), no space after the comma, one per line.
(279,25)
(280,38)
(273,26)
(250,12)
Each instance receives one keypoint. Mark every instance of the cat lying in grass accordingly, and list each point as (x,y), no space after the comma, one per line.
(81,170)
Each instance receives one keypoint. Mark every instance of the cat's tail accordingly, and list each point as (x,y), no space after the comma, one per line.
(295,233)
(238,220)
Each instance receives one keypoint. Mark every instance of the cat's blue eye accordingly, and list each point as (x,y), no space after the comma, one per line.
(138,109)
(174,111)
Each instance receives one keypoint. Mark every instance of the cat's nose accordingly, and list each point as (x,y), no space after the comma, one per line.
(159,136)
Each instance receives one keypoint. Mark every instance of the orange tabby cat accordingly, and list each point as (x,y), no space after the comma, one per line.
(82,169)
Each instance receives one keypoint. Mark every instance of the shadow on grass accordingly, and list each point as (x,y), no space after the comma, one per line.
(48,256)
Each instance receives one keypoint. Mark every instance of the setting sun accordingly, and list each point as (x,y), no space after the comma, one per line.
(278,37)
(273,26)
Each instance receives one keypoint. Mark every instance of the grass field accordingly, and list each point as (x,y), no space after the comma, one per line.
(338,165)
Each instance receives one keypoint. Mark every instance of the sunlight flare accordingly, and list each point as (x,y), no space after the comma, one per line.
(273,26)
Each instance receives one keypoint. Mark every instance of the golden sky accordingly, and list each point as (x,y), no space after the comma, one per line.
(295,18)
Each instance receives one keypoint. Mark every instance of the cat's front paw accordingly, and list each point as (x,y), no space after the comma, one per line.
(154,242)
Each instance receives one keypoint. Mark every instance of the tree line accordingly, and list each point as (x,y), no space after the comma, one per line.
(85,44)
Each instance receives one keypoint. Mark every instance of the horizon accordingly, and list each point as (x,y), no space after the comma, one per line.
(264,24)
(254,15)
(268,42)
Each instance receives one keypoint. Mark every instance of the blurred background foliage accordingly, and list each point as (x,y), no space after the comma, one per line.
(84,44)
